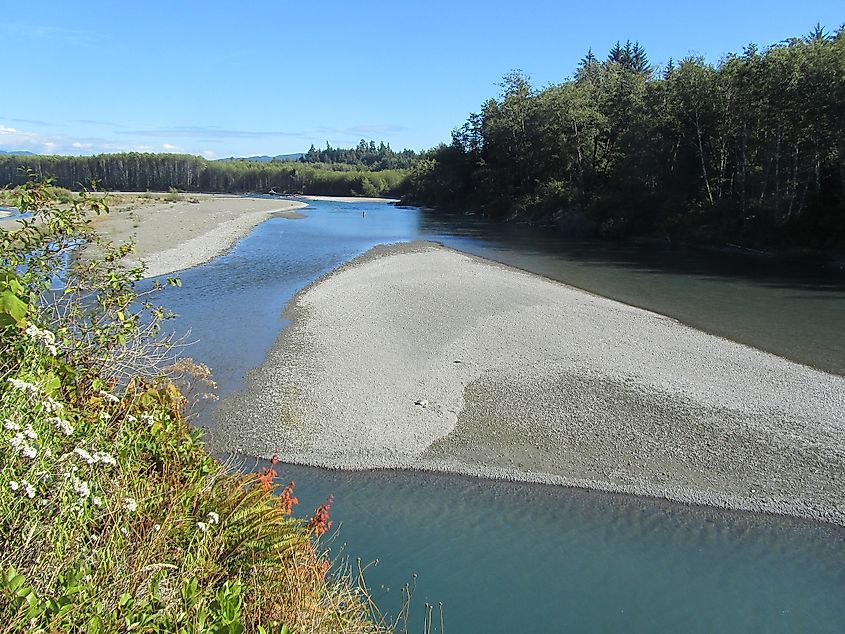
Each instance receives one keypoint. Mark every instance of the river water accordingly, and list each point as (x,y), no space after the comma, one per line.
(505,557)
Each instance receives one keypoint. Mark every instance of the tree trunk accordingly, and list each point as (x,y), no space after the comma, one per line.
(703,163)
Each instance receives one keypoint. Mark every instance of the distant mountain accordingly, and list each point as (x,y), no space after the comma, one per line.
(265,159)
(22,152)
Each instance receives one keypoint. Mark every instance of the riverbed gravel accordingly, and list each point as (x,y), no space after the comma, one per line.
(419,357)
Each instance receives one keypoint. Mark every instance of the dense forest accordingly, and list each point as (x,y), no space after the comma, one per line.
(135,171)
(366,155)
(750,150)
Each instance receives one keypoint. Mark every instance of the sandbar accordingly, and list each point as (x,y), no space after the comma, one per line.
(173,236)
(419,357)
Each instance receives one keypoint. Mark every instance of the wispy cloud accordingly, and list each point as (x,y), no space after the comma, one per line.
(209,132)
(110,124)
(45,32)
(12,138)
(37,122)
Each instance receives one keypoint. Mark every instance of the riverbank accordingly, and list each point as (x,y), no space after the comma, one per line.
(172,236)
(419,357)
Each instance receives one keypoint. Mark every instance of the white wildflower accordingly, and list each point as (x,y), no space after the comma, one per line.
(14,486)
(109,397)
(80,487)
(104,415)
(147,418)
(87,457)
(131,419)
(10,426)
(213,518)
(24,386)
(46,337)
(156,527)
(52,406)
(97,500)
(19,444)
(62,425)
(104,458)
(29,432)
(202,526)
(130,504)
(28,489)
(124,531)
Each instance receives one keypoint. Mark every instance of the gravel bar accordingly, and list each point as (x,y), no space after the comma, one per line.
(415,356)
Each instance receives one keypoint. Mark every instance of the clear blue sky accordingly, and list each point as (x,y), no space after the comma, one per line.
(272,77)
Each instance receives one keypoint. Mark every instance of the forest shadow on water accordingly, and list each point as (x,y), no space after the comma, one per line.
(746,297)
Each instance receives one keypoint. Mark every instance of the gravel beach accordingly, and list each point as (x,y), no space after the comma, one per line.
(172,236)
(420,357)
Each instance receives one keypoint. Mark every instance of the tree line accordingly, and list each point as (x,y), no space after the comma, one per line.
(366,155)
(135,171)
(751,149)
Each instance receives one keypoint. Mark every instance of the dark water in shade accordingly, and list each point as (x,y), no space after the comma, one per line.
(506,557)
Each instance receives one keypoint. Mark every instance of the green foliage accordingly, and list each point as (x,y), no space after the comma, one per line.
(14,302)
(175,173)
(750,150)
(112,515)
(365,155)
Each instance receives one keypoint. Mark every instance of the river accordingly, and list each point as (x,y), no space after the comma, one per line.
(506,557)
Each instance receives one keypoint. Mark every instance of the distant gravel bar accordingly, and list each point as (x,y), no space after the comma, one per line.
(419,357)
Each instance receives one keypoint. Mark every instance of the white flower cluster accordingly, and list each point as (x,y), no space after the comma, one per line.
(10,426)
(24,487)
(52,406)
(20,442)
(80,487)
(44,336)
(130,504)
(100,457)
(62,425)
(25,386)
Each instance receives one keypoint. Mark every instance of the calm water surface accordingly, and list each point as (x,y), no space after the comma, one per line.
(506,557)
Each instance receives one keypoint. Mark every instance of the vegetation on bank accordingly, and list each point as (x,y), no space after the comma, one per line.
(750,150)
(135,171)
(112,516)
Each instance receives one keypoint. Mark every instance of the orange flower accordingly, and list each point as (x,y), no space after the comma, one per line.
(321,523)
(265,476)
(287,500)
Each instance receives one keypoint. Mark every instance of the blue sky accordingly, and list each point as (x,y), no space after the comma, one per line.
(272,77)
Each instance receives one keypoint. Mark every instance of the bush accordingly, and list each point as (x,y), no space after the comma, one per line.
(112,515)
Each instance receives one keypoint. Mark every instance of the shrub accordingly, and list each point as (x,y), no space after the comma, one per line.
(112,515)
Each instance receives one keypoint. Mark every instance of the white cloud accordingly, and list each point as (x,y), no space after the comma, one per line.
(170,148)
(209,154)
(15,139)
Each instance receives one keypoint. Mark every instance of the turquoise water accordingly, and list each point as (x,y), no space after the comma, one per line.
(506,557)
